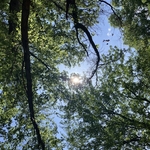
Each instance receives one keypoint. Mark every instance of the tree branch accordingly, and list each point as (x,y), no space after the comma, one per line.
(131,140)
(112,8)
(25,44)
(39,60)
(82,27)
(81,43)
(57,5)
(14,8)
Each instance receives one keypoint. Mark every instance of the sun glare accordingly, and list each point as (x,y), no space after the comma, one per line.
(75,80)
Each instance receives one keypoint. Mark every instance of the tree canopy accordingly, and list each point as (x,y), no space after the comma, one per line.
(110,113)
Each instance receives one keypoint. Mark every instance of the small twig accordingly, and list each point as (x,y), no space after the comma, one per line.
(81,43)
(39,60)
(57,5)
(112,8)
(136,139)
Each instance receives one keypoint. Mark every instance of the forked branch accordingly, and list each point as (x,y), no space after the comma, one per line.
(82,27)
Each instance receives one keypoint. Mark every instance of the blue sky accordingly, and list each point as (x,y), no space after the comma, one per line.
(103,32)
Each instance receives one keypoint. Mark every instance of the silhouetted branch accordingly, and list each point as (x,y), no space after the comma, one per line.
(25,44)
(82,27)
(57,5)
(136,96)
(131,140)
(39,60)
(112,8)
(14,8)
(81,43)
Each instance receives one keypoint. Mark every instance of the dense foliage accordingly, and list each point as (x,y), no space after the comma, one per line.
(115,113)
(135,17)
(35,39)
(110,113)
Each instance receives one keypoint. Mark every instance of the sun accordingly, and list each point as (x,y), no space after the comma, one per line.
(75,80)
